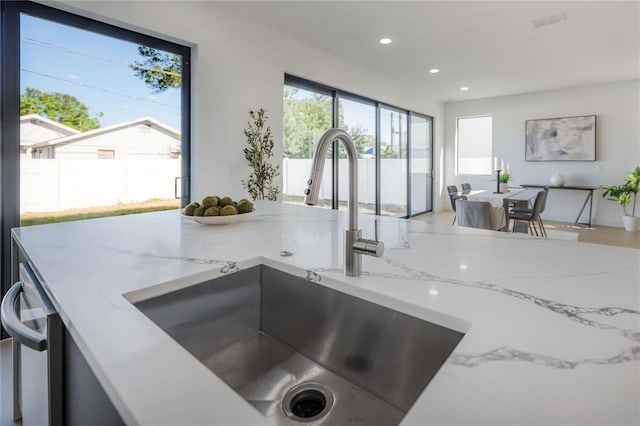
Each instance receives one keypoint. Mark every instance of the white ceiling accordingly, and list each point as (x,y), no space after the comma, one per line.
(489,46)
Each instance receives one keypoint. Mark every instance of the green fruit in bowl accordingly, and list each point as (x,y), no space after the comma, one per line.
(229,210)
(190,208)
(199,211)
(210,201)
(245,206)
(212,211)
(226,201)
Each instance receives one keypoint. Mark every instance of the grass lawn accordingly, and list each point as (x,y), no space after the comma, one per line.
(40,218)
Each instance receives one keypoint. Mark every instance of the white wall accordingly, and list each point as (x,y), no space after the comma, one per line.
(616,106)
(239,65)
(139,141)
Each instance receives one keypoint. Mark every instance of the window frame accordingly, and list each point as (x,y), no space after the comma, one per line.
(10,108)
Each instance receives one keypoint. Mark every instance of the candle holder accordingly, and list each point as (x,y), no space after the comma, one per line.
(497,191)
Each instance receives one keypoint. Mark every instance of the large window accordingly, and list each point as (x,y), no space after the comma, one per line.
(95,120)
(474,139)
(86,97)
(394,175)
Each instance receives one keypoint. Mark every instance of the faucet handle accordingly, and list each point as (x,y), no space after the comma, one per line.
(369,247)
(373,247)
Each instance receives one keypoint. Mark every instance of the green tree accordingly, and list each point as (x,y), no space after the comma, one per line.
(305,120)
(159,70)
(60,107)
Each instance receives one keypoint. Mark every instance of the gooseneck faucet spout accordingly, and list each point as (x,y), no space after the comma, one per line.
(355,245)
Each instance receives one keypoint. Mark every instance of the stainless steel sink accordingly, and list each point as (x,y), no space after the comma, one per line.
(301,352)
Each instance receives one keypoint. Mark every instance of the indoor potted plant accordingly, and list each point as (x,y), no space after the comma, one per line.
(504,182)
(626,194)
(258,153)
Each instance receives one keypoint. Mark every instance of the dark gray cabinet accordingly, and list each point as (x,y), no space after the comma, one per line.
(53,383)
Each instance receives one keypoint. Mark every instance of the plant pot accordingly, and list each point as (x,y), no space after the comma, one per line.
(631,223)
(504,187)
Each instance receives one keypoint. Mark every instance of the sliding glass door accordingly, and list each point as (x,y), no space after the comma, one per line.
(307,114)
(421,166)
(393,162)
(359,120)
(394,149)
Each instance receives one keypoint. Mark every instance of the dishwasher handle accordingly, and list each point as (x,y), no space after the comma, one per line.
(11,321)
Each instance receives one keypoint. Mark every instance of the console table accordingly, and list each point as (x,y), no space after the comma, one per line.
(589,198)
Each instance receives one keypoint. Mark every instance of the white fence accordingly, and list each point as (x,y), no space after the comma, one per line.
(295,173)
(62,184)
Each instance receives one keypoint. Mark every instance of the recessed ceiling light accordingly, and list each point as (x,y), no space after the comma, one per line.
(385,41)
(434,70)
(464,88)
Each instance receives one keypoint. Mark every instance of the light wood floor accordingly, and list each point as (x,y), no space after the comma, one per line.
(596,234)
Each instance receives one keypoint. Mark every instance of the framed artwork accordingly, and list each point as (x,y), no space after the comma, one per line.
(561,139)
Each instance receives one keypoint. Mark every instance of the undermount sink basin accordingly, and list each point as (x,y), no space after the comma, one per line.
(301,352)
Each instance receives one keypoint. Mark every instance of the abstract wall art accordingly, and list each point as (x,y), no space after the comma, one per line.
(561,139)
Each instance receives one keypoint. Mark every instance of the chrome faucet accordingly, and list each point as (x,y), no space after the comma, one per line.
(354,245)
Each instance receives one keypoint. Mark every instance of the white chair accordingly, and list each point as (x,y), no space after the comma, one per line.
(479,214)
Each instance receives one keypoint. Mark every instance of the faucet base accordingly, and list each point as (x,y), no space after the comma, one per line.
(352,259)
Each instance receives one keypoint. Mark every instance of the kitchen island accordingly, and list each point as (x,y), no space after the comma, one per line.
(552,328)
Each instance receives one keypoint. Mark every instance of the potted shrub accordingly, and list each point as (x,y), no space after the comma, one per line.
(259,152)
(504,182)
(626,194)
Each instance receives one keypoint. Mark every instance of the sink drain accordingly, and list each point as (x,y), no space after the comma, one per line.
(307,402)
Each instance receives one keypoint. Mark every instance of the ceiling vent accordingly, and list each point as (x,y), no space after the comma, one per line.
(549,20)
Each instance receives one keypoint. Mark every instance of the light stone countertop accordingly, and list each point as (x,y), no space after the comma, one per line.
(552,327)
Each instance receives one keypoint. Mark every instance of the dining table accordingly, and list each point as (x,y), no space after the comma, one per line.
(523,197)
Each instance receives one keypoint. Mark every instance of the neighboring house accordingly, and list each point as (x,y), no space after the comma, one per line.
(140,138)
(35,129)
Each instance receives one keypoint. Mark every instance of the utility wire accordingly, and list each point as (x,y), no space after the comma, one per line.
(109,91)
(94,56)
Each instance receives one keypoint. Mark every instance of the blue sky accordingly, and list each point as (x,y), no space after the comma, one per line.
(93,68)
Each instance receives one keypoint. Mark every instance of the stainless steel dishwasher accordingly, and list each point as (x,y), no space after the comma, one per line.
(37,331)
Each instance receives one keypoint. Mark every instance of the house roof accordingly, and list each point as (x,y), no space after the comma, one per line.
(95,132)
(48,123)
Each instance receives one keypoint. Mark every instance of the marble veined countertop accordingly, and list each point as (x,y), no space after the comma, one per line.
(552,327)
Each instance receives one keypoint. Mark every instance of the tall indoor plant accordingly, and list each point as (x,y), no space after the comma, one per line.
(260,149)
(626,194)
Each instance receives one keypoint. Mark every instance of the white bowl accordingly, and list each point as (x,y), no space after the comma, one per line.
(222,220)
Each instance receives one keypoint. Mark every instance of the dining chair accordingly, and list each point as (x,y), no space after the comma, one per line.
(452,191)
(466,187)
(479,214)
(517,209)
(531,216)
